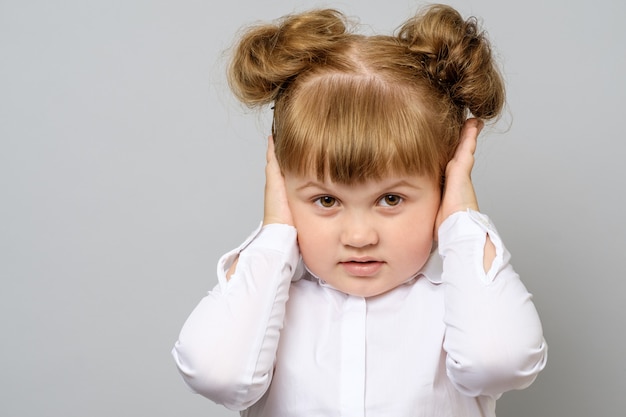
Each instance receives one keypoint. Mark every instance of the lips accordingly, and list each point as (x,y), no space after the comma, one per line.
(362,267)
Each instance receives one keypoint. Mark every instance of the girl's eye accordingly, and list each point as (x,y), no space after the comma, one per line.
(390,200)
(326,201)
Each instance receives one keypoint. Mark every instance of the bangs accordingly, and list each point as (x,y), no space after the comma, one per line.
(351,129)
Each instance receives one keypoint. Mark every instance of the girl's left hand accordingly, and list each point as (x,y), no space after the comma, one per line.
(458,190)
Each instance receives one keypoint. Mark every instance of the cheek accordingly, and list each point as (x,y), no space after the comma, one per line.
(305,225)
(416,240)
(310,232)
(412,253)
(315,247)
(414,235)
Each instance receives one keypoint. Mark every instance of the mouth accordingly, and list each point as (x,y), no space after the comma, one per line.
(363,267)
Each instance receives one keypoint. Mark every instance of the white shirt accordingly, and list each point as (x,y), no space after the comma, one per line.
(276,341)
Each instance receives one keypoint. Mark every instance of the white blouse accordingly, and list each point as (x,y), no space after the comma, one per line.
(276,341)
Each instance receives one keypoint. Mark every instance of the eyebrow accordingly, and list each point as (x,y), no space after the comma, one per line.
(404,183)
(311,184)
(399,183)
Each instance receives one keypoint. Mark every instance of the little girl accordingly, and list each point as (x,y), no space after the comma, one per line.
(374,287)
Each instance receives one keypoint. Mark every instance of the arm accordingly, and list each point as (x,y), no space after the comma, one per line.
(227,347)
(494,338)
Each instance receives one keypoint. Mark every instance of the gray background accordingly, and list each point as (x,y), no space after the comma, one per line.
(126,169)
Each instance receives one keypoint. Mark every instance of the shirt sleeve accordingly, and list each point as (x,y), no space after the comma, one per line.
(227,346)
(494,338)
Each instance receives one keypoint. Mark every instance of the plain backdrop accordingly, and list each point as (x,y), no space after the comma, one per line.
(126,169)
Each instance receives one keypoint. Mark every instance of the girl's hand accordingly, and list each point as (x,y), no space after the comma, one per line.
(276,209)
(458,190)
(276,205)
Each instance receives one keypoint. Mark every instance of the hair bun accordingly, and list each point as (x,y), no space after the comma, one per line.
(456,56)
(270,55)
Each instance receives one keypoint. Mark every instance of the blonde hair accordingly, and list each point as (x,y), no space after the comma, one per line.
(352,107)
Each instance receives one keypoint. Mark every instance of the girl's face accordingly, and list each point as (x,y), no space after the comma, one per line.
(368,238)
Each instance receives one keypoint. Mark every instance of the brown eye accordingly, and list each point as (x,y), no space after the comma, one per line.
(326,201)
(390,200)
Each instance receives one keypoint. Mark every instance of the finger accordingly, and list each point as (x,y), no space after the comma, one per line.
(272,167)
(270,148)
(469,136)
(463,160)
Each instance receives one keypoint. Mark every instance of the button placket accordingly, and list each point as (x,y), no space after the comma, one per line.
(353,345)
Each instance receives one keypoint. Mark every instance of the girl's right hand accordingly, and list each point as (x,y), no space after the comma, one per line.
(276,205)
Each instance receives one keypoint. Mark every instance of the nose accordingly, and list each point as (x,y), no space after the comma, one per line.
(359,231)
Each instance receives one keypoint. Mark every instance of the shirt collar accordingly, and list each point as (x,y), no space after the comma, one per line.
(433,268)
